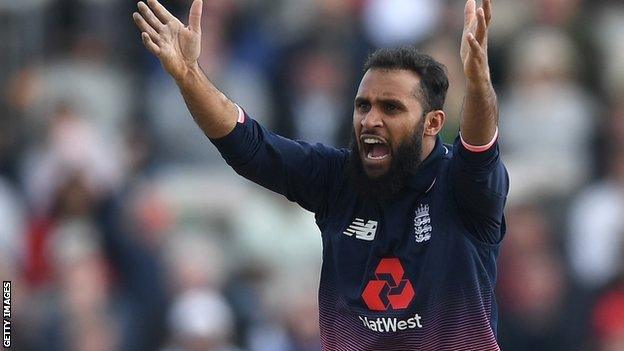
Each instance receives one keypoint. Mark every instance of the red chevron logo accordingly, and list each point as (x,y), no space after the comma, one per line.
(389,290)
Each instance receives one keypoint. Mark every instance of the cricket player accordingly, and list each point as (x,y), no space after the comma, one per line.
(411,227)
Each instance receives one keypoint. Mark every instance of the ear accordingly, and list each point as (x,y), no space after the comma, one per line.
(434,121)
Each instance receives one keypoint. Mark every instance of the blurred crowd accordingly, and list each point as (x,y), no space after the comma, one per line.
(123,229)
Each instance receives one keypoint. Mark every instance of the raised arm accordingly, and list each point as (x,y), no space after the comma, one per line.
(480,182)
(302,172)
(479,120)
(178,48)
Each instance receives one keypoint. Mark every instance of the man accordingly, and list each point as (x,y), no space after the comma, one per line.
(410,227)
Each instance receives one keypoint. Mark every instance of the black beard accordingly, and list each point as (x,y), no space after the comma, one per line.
(404,165)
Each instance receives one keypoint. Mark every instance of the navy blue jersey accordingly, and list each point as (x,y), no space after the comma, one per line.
(415,273)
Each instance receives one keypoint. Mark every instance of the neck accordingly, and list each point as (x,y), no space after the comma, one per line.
(427,146)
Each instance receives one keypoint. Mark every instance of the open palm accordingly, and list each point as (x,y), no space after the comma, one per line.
(177,46)
(473,49)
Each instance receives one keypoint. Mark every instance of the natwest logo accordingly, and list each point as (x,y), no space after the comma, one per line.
(390,290)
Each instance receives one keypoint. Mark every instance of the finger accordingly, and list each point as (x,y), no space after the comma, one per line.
(149,44)
(143,25)
(161,12)
(195,15)
(487,8)
(475,48)
(469,13)
(149,16)
(481,32)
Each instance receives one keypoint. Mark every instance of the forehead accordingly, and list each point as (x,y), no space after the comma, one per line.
(389,83)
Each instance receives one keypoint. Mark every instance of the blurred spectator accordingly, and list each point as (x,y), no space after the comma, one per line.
(86,302)
(12,217)
(532,285)
(196,261)
(556,12)
(597,228)
(269,229)
(610,27)
(71,144)
(133,222)
(400,22)
(317,80)
(547,118)
(608,319)
(201,320)
(85,80)
(291,298)
(278,236)
(52,232)
(65,251)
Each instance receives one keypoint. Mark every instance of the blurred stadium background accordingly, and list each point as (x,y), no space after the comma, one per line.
(122,229)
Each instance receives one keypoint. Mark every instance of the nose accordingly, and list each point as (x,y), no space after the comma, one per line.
(372,120)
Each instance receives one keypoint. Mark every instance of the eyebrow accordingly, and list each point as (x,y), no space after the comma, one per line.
(399,103)
(359,100)
(396,102)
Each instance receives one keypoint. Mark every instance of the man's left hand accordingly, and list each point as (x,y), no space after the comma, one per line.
(473,50)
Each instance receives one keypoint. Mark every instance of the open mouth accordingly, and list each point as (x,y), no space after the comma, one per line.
(375,148)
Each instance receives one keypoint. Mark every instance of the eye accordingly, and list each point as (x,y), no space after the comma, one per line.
(362,106)
(390,107)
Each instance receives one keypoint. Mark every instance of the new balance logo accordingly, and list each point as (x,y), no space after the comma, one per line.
(361,230)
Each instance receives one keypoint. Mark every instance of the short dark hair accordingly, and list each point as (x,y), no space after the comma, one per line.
(433,79)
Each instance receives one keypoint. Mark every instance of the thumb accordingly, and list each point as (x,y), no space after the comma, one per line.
(195,16)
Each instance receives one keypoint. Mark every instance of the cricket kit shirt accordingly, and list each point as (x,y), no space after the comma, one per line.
(414,273)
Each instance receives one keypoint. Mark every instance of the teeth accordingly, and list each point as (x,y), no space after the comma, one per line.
(372,141)
(376,158)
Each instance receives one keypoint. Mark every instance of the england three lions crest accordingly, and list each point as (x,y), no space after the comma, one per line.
(422,224)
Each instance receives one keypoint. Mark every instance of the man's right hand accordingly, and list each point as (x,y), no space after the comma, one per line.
(177,46)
